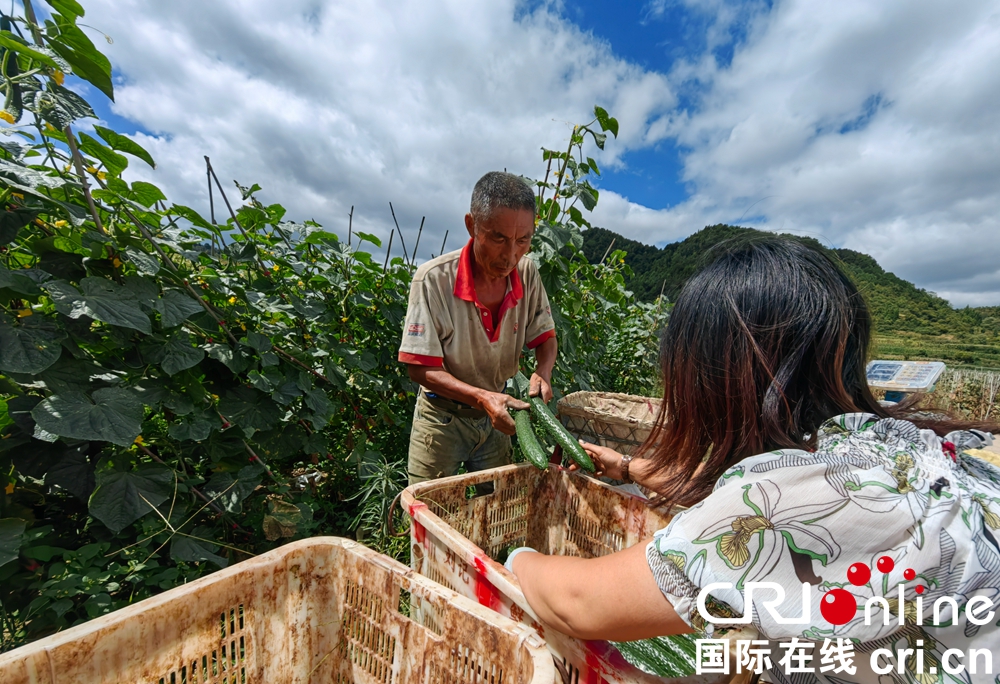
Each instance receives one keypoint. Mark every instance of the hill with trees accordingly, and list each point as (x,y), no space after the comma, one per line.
(910,322)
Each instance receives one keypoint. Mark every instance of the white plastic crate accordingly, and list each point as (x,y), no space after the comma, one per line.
(320,610)
(455,540)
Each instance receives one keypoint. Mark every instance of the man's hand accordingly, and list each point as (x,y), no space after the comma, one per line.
(496,404)
(540,386)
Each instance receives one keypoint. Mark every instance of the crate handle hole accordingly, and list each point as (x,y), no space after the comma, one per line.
(480,490)
(404,605)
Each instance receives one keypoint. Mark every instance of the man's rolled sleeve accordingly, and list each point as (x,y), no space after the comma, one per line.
(544,337)
(421,344)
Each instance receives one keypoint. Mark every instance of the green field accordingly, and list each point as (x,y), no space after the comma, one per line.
(983,351)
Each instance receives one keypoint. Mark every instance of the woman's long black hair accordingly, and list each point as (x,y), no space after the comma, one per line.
(763,345)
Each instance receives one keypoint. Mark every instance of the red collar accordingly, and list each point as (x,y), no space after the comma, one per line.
(465,288)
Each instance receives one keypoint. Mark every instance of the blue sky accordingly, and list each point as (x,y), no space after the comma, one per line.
(868,125)
(652,175)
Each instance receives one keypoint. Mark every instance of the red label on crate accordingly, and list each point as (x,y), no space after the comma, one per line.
(486,593)
(419,531)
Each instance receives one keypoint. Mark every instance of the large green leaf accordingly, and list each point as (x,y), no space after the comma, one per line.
(5,418)
(18,282)
(608,123)
(74,473)
(145,290)
(259,342)
(35,52)
(73,45)
(11,222)
(184,548)
(146,264)
(241,251)
(588,197)
(29,178)
(67,8)
(35,458)
(249,409)
(176,307)
(230,491)
(177,353)
(146,194)
(86,67)
(119,142)
(81,374)
(11,530)
(29,346)
(111,414)
(124,495)
(191,215)
(102,299)
(235,360)
(59,106)
(113,162)
(321,406)
(196,427)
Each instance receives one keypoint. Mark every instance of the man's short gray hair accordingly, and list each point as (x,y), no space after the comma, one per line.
(500,190)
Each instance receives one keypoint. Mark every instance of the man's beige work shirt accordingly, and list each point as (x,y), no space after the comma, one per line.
(447,326)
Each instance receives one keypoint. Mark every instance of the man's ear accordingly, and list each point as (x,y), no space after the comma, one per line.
(470,225)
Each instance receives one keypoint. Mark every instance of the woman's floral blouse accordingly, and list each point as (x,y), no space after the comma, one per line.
(874,488)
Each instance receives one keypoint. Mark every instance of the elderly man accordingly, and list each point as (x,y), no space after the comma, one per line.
(470,314)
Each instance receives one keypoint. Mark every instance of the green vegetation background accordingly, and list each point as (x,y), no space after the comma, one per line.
(910,323)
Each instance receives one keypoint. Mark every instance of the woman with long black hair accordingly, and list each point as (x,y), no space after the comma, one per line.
(783,468)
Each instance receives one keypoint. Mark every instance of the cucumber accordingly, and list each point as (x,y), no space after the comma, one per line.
(572,447)
(529,443)
(662,656)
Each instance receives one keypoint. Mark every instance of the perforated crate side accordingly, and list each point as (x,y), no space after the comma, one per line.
(319,610)
(603,520)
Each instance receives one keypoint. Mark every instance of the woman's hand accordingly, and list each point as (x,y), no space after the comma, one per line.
(607,461)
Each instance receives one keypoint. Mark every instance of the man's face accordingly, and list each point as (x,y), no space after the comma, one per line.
(499,242)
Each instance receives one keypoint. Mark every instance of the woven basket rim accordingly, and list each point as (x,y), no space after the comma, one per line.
(569,406)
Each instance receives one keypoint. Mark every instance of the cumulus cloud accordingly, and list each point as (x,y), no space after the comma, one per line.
(333,105)
(869,125)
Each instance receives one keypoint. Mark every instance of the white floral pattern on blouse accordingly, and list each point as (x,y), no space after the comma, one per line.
(874,487)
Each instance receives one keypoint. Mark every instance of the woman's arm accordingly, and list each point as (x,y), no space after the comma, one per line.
(614,597)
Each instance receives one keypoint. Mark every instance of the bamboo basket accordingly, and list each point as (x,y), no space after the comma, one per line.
(619,421)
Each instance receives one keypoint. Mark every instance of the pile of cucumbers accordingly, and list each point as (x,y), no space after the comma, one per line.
(528,440)
(673,656)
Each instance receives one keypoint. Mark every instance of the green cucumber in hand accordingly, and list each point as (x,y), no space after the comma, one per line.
(528,442)
(552,425)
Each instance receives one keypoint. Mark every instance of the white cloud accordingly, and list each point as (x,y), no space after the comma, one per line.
(329,105)
(869,125)
(872,125)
